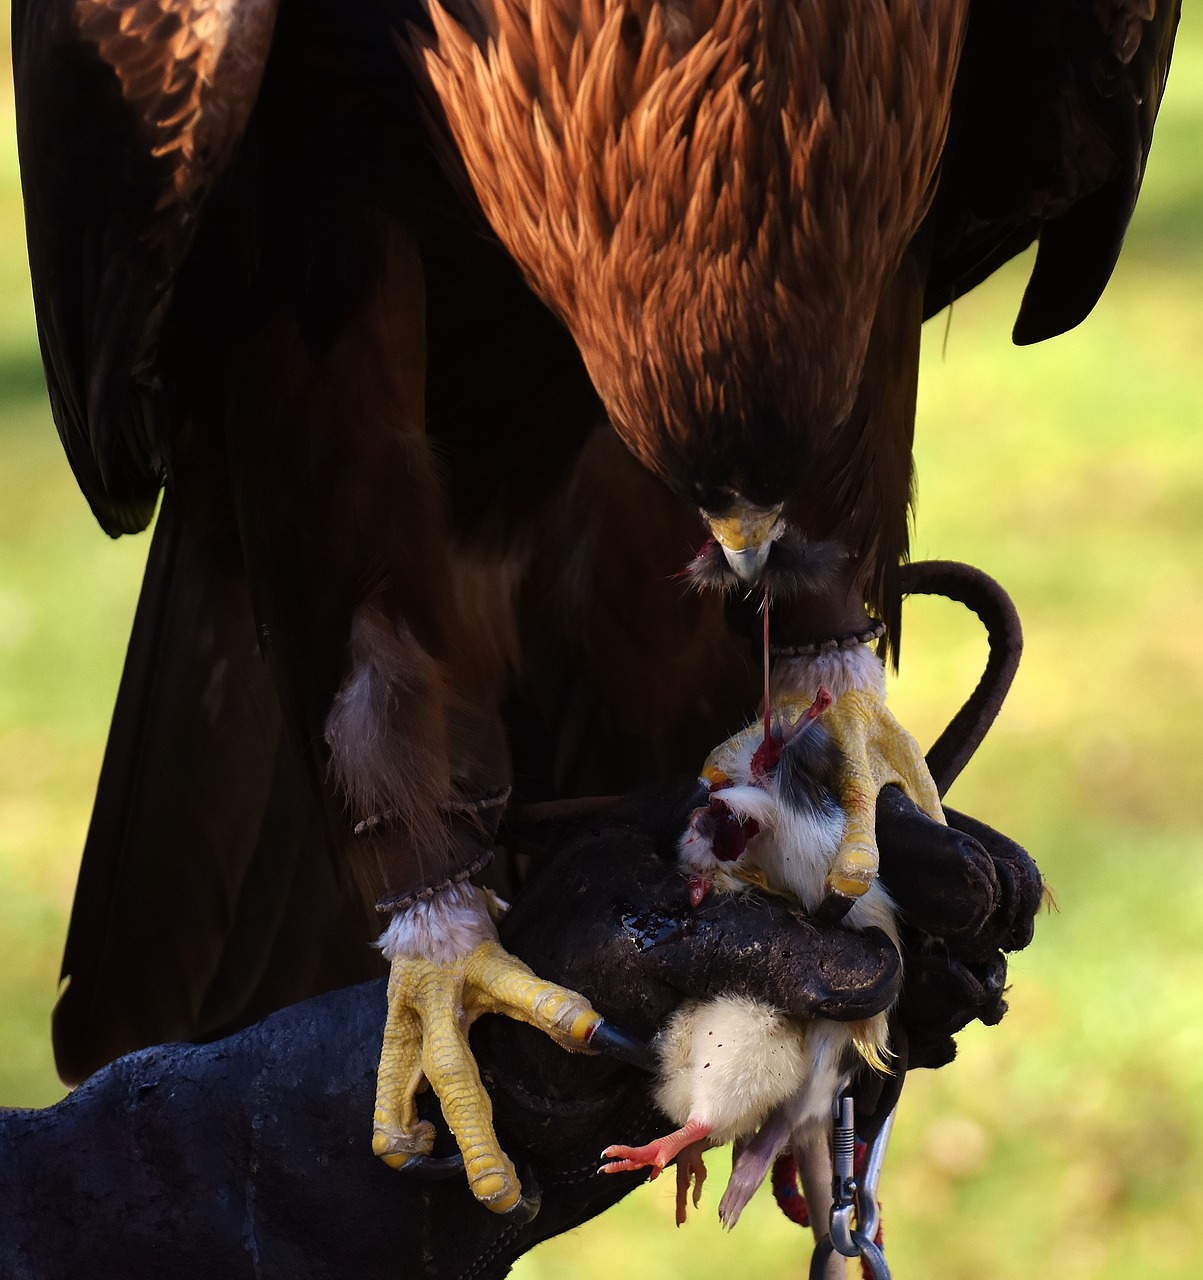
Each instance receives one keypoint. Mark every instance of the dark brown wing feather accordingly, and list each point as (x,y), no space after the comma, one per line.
(1056,102)
(127,115)
(301,484)
(213,887)
(208,892)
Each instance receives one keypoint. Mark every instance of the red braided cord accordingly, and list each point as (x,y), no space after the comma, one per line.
(792,1202)
(786,1191)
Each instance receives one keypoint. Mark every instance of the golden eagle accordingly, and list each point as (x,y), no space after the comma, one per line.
(452,333)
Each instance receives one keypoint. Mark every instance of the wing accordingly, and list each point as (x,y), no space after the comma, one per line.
(1055,107)
(128,114)
(285,387)
(209,893)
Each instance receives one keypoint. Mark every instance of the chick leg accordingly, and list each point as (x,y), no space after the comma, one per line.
(686,1146)
(431,1005)
(691,1173)
(657,1153)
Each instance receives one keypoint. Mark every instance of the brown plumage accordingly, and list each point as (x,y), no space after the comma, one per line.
(190,72)
(387,458)
(716,198)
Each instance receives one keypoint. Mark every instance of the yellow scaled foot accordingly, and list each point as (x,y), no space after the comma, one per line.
(878,751)
(431,1005)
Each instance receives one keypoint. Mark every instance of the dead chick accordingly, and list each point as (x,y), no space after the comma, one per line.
(731,1065)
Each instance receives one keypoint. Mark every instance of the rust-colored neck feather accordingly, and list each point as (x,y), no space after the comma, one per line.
(711,195)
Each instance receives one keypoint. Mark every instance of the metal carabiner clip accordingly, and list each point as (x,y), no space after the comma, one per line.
(843,1178)
(868,1213)
(872,1258)
(850,1198)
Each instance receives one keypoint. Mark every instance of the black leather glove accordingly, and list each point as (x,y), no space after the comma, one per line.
(252,1156)
(628,938)
(967,895)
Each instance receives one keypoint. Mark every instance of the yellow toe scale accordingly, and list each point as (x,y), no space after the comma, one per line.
(878,752)
(431,1006)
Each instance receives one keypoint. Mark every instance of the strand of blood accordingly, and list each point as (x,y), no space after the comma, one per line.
(768,713)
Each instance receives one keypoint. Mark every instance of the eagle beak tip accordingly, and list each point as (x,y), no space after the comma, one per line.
(748,563)
(746,534)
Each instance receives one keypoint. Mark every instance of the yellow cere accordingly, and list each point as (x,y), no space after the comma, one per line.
(748,527)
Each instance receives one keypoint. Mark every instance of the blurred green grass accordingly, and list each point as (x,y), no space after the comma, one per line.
(1067,1140)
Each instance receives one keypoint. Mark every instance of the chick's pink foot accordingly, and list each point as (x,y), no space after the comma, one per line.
(691,1171)
(656,1154)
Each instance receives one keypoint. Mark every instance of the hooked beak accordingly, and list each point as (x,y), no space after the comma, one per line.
(746,534)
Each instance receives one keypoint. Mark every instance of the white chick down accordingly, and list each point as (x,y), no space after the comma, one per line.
(727,1062)
(735,1069)
(733,1064)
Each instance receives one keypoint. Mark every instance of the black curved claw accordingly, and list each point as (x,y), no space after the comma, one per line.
(527,1208)
(834,907)
(433,1168)
(626,1048)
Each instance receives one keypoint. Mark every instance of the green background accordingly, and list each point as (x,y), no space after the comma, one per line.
(1064,1142)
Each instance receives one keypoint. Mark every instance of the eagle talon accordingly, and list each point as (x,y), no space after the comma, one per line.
(529,1204)
(608,1039)
(877,751)
(834,907)
(430,1168)
(431,1007)
(526,1210)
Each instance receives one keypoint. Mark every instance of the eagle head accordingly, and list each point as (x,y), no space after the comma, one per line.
(713,197)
